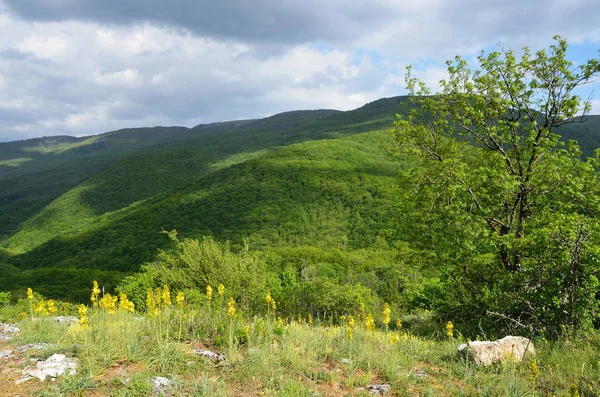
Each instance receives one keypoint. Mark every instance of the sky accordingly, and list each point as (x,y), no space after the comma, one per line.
(80,67)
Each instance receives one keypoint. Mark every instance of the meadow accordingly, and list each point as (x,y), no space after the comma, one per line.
(119,350)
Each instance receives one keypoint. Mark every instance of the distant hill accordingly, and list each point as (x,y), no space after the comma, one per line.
(74,209)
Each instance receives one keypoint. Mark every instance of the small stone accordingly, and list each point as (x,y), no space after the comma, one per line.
(379,389)
(161,384)
(6,354)
(345,361)
(23,378)
(32,346)
(214,357)
(68,320)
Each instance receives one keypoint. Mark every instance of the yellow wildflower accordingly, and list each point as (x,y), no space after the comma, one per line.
(221,289)
(51,306)
(150,303)
(351,322)
(109,303)
(209,292)
(29,293)
(370,323)
(534,370)
(126,304)
(95,294)
(82,311)
(231,308)
(157,295)
(41,308)
(23,314)
(387,313)
(394,338)
(449,329)
(180,298)
(398,324)
(349,333)
(166,295)
(310,319)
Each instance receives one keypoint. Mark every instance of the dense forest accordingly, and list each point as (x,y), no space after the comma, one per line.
(331,211)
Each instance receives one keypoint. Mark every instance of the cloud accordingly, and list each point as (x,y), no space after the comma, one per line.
(274,21)
(87,66)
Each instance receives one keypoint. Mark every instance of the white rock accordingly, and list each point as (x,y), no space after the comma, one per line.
(65,319)
(55,365)
(6,354)
(32,346)
(509,348)
(161,384)
(215,357)
(8,331)
(379,389)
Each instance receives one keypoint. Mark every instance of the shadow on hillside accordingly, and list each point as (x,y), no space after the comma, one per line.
(275,202)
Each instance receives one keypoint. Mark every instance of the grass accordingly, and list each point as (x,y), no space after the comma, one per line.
(118,354)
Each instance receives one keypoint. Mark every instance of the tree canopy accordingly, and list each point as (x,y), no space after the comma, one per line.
(511,211)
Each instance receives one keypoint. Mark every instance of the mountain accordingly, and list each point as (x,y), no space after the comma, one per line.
(77,209)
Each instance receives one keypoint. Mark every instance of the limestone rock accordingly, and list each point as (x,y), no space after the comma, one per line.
(68,320)
(507,349)
(8,331)
(214,357)
(33,346)
(379,389)
(161,384)
(6,354)
(54,366)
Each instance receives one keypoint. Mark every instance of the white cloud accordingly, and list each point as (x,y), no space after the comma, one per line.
(44,47)
(127,77)
(71,72)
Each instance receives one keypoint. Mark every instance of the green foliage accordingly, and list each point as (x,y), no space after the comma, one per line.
(514,210)
(4,298)
(195,265)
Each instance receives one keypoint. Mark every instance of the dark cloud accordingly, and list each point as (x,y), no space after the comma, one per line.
(264,21)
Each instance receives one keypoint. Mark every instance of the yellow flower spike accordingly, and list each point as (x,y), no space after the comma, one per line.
(166,295)
(231,308)
(82,312)
(52,306)
(95,294)
(180,299)
(398,324)
(394,338)
(387,314)
(351,323)
(126,304)
(310,319)
(41,308)
(29,293)
(349,333)
(534,370)
(23,314)
(109,303)
(370,323)
(209,292)
(157,296)
(150,302)
(247,330)
(449,329)
(221,289)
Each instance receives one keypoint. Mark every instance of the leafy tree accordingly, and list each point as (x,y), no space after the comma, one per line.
(512,211)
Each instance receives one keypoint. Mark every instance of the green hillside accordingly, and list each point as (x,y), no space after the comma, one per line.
(320,179)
